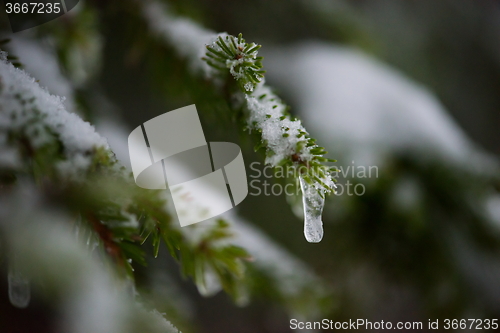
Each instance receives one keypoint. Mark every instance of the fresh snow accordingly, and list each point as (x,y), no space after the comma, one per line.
(40,60)
(27,107)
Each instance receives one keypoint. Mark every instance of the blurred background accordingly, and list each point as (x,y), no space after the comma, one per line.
(410,89)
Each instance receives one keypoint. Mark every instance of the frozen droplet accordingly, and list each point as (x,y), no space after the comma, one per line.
(313,203)
(77,226)
(210,285)
(19,289)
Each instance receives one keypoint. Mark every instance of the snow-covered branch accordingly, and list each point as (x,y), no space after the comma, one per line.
(38,120)
(283,136)
(36,128)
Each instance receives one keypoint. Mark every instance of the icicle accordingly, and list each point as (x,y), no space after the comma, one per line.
(19,288)
(313,204)
(208,284)
(89,238)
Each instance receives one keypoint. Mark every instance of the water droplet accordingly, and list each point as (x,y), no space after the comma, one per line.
(19,289)
(313,203)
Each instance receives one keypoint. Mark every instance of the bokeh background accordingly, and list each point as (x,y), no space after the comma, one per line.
(409,87)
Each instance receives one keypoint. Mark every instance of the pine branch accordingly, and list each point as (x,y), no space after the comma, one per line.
(286,141)
(11,58)
(216,74)
(81,173)
(78,170)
